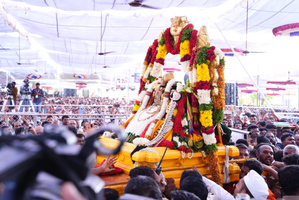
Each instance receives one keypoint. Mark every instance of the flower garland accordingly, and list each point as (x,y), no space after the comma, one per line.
(128,121)
(219,102)
(138,101)
(204,56)
(149,60)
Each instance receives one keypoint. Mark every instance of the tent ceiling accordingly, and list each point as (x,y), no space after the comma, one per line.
(59,38)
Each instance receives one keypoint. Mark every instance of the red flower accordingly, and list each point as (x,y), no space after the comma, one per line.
(182,148)
(185,58)
(203,85)
(154,55)
(177,128)
(160,60)
(210,54)
(165,143)
(209,130)
(188,150)
(193,39)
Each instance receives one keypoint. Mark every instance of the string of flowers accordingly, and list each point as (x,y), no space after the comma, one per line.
(219,102)
(204,56)
(150,59)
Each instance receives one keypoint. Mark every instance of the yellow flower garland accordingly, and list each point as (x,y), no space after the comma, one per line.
(203,73)
(206,119)
(162,52)
(136,108)
(185,48)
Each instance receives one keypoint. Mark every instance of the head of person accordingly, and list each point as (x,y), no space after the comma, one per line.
(278,155)
(287,138)
(272,128)
(5,130)
(263,131)
(73,123)
(13,84)
(37,85)
(45,123)
(72,129)
(252,119)
(289,179)
(194,185)
(229,122)
(261,124)
(285,131)
(16,125)
(254,130)
(262,139)
(39,130)
(26,81)
(254,185)
(110,194)
(80,139)
(290,149)
(251,164)
(50,119)
(270,136)
(291,159)
(265,154)
(243,150)
(187,173)
(225,122)
(143,186)
(183,195)
(142,171)
(242,141)
(238,125)
(65,120)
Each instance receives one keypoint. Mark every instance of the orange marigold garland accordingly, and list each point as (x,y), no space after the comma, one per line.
(214,167)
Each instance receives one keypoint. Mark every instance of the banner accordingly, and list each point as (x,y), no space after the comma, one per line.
(137,78)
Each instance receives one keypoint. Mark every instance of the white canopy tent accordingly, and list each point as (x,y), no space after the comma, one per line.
(59,38)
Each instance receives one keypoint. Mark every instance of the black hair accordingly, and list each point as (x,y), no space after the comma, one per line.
(262,139)
(252,152)
(247,114)
(80,135)
(144,186)
(111,194)
(72,129)
(278,155)
(242,141)
(263,129)
(289,179)
(18,131)
(252,127)
(187,173)
(224,119)
(286,131)
(252,115)
(64,116)
(183,195)
(262,123)
(290,159)
(242,146)
(255,165)
(283,120)
(49,116)
(196,186)
(285,136)
(271,126)
(45,123)
(142,171)
(237,122)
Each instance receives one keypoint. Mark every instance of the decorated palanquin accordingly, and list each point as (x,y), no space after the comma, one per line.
(186,118)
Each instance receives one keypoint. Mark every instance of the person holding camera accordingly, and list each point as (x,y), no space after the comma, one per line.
(14,92)
(37,95)
(25,91)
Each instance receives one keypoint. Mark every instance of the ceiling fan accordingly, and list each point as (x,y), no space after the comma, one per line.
(139,3)
(246,51)
(101,53)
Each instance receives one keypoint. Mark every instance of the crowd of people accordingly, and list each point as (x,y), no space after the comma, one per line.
(268,159)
